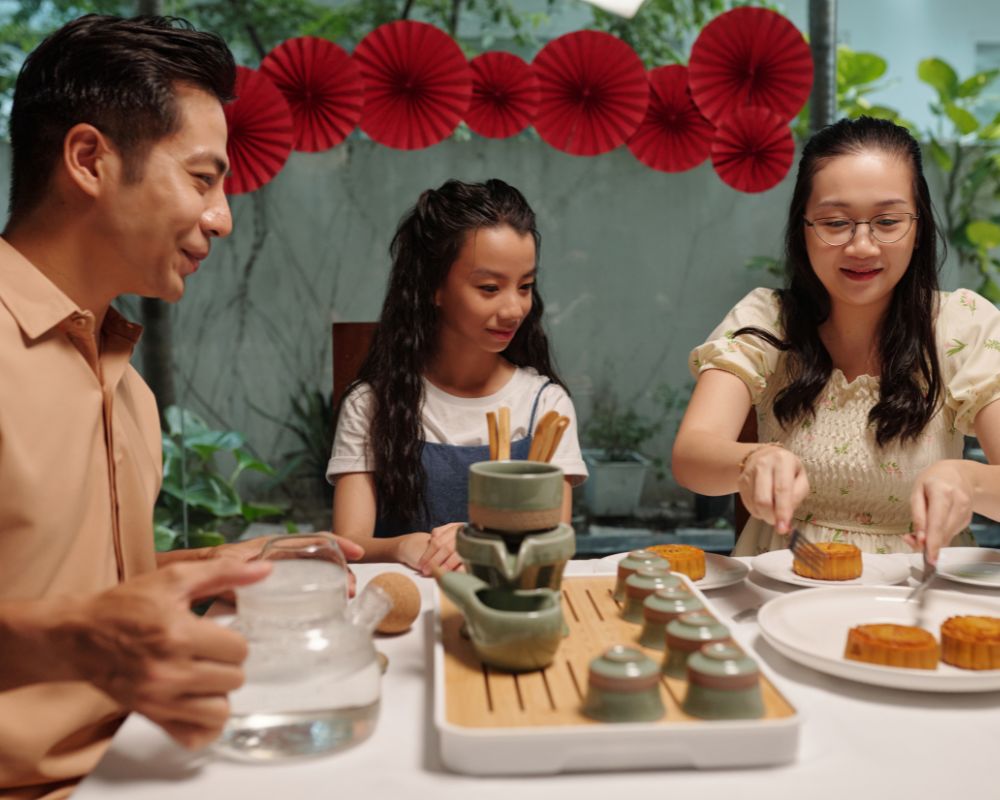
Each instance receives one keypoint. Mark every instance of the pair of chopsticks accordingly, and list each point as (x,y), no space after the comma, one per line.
(499,433)
(548,433)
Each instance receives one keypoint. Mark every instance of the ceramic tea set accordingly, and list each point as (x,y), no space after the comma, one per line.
(515,549)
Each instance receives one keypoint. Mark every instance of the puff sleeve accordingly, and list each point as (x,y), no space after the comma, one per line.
(968,340)
(748,357)
(351,446)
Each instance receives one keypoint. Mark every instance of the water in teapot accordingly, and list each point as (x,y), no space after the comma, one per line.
(312,675)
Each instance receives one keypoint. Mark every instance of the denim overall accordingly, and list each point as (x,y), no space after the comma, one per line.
(447,470)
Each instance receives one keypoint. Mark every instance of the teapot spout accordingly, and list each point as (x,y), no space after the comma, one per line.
(461,588)
(369,608)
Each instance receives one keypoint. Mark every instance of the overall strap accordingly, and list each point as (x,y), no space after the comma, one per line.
(534,405)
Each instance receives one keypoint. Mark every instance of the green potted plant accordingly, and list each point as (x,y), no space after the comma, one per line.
(614,438)
(200,504)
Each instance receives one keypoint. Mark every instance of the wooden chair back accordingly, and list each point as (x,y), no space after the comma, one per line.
(351,343)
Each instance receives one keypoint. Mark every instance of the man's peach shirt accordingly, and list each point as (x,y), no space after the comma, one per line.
(80,468)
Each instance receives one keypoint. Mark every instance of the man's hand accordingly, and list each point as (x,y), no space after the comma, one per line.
(248,550)
(140,644)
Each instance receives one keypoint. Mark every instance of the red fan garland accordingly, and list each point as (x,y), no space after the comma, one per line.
(260,132)
(593,92)
(753,149)
(750,57)
(417,84)
(504,95)
(674,136)
(322,86)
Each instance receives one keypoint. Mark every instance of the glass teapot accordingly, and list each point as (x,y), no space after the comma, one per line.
(312,673)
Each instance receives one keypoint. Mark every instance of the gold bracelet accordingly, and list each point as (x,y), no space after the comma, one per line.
(746,458)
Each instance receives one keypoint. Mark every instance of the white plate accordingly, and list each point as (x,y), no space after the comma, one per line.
(719,570)
(977,566)
(876,570)
(811,628)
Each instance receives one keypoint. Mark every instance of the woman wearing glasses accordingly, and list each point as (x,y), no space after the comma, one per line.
(863,376)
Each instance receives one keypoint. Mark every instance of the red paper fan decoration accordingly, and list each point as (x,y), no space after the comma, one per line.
(753,149)
(504,95)
(417,84)
(322,86)
(674,136)
(260,132)
(750,57)
(593,92)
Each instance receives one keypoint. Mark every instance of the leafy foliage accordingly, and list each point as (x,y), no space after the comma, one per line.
(619,430)
(310,420)
(967,151)
(859,74)
(196,490)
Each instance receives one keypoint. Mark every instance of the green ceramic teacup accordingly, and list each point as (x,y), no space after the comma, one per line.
(688,634)
(660,609)
(723,683)
(641,584)
(623,685)
(630,563)
(515,496)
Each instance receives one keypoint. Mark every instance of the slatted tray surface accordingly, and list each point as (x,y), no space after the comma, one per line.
(481,710)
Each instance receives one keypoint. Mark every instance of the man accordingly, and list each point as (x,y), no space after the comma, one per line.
(119,153)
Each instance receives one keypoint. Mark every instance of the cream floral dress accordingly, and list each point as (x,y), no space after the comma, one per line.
(860,492)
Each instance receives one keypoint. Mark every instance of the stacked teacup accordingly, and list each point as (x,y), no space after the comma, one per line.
(515,548)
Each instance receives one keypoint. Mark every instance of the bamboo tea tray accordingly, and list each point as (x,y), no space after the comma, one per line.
(497,723)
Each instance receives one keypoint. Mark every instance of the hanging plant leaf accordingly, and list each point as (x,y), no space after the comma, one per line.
(983,234)
(965,121)
(939,75)
(971,87)
(854,68)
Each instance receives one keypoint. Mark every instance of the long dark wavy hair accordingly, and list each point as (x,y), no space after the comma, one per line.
(910,381)
(427,243)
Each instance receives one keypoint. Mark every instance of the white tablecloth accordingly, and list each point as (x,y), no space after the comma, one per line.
(857,741)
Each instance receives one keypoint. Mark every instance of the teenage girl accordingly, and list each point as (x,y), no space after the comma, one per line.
(864,377)
(460,334)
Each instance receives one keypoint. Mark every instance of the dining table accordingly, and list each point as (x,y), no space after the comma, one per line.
(856,740)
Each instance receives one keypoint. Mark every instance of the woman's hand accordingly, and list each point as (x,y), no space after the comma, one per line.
(941,506)
(410,548)
(440,551)
(772,484)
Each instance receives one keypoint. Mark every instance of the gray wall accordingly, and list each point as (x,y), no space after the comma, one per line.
(637,267)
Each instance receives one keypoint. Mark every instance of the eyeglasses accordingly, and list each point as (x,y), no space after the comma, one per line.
(884,228)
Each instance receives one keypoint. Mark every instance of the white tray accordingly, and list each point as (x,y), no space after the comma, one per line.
(591,746)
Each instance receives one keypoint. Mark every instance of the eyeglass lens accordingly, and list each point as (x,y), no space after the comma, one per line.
(885,228)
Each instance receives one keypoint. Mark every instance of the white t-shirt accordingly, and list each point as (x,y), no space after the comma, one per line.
(460,421)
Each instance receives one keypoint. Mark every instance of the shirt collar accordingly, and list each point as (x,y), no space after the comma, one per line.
(38,305)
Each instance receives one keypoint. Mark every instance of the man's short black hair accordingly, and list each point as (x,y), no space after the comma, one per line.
(120,76)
